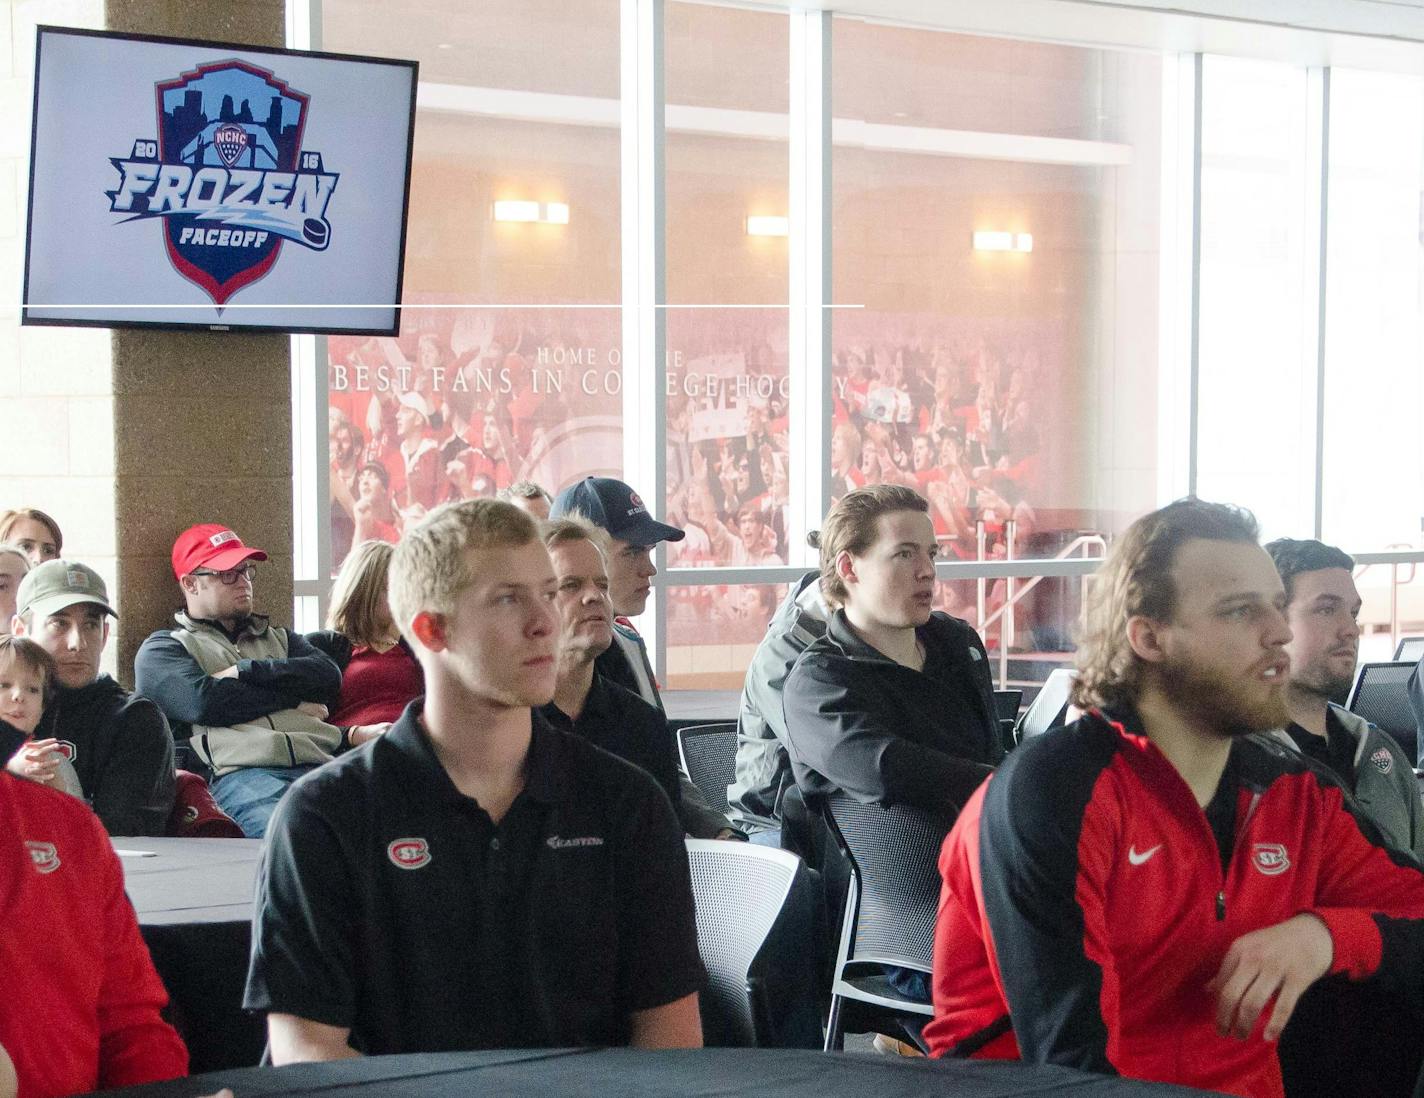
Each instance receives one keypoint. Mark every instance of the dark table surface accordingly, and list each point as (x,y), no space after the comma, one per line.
(194,903)
(792,1073)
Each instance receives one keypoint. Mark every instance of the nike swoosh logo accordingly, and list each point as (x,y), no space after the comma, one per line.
(1137,859)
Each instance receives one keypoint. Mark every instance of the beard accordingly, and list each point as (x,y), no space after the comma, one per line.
(1232,704)
(1319,680)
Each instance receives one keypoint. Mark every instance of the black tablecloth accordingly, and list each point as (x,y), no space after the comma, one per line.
(194,904)
(784,1073)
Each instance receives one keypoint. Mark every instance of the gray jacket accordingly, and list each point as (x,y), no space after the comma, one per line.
(1385,787)
(763,765)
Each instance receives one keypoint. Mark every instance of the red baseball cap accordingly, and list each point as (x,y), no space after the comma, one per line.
(210,546)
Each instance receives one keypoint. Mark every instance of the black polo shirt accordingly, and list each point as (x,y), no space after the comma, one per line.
(389,903)
(618,720)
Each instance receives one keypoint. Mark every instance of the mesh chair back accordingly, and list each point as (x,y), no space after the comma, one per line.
(739,890)
(894,853)
(1049,707)
(1381,696)
(709,755)
(1411,649)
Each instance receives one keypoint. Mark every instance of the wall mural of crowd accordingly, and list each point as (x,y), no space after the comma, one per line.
(467,401)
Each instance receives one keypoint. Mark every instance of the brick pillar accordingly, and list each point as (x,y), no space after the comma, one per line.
(201,421)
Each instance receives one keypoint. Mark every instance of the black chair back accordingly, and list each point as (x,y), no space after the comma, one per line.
(709,756)
(760,990)
(1381,696)
(1410,649)
(1006,708)
(1048,709)
(894,856)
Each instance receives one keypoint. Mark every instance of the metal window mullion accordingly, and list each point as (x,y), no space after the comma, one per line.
(1194,403)
(809,282)
(644,282)
(1321,225)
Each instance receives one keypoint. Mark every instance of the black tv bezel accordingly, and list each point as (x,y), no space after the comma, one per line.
(26,319)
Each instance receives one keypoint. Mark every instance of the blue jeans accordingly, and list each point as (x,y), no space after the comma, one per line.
(766,838)
(250,795)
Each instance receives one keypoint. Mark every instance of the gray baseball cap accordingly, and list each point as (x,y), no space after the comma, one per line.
(56,584)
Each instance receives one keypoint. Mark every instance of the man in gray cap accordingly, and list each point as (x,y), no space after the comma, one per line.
(118,743)
(633,533)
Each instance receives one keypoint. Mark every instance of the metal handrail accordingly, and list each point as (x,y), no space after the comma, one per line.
(1013,594)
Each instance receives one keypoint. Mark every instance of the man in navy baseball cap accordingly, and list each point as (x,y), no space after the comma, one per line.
(632,533)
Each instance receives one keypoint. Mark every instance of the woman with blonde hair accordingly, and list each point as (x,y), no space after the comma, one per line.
(379,675)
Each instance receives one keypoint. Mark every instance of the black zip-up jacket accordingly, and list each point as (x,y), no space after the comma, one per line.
(887,734)
(121,750)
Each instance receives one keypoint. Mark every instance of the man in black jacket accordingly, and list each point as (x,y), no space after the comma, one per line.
(619,511)
(118,743)
(894,705)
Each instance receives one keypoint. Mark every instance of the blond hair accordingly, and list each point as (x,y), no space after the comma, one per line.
(852,526)
(1135,580)
(430,566)
(359,593)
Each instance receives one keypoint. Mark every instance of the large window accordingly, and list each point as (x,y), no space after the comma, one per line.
(514,217)
(1046,268)
(995,215)
(1259,292)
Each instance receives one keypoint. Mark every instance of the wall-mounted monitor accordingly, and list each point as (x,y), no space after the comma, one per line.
(179,183)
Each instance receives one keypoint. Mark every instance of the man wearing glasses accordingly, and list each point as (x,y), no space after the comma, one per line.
(253,697)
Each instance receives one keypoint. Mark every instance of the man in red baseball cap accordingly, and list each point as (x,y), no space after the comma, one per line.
(254,697)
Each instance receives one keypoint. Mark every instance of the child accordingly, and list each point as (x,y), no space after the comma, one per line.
(26,679)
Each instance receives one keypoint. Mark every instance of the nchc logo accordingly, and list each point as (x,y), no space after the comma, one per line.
(227,176)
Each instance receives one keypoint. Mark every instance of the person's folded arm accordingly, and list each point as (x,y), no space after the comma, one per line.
(674,1025)
(166,673)
(306,674)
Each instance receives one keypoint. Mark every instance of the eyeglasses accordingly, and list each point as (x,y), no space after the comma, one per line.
(232,575)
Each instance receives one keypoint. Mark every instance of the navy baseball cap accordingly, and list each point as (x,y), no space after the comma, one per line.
(615,507)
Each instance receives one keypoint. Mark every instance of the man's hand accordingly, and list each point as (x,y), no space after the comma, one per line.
(37,760)
(360,733)
(312,709)
(728,833)
(1278,961)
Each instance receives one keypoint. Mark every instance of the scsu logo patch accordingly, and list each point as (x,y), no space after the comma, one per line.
(68,749)
(43,856)
(1383,760)
(227,177)
(1270,858)
(409,853)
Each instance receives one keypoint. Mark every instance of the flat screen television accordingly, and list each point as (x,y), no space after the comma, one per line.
(178,183)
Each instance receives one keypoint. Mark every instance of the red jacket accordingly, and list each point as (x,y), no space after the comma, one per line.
(1083,889)
(81,1006)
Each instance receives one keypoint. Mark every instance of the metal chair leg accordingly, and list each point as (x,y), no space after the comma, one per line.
(835,1038)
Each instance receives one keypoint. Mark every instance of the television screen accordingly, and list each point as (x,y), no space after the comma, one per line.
(179,183)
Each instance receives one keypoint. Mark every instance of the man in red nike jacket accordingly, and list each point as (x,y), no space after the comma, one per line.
(82,999)
(1149,891)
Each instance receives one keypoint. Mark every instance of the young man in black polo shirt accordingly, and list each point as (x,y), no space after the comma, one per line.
(474,878)
(586,703)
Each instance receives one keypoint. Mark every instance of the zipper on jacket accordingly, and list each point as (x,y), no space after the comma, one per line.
(1235,849)
(290,753)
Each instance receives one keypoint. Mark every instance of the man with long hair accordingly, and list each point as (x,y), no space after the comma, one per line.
(1149,891)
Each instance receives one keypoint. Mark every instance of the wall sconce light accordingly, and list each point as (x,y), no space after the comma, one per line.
(1003,242)
(545,213)
(767,226)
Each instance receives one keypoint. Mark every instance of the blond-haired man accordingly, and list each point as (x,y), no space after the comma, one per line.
(474,878)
